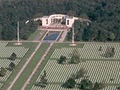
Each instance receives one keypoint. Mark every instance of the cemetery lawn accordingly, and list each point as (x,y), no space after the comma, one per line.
(96,66)
(55,46)
(31,47)
(28,70)
(32,36)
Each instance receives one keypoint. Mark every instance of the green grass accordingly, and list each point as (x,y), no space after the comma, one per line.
(33,80)
(24,44)
(31,47)
(56,45)
(32,36)
(60,45)
(43,35)
(28,70)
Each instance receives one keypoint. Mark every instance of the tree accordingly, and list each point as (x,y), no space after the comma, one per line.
(75,52)
(9,33)
(104,15)
(98,86)
(80,73)
(39,22)
(79,30)
(32,26)
(28,28)
(70,83)
(3,72)
(45,74)
(43,81)
(111,36)
(13,56)
(83,15)
(62,59)
(1,27)
(110,52)
(38,15)
(85,84)
(86,34)
(71,13)
(11,66)
(75,57)
(118,88)
(100,49)
(69,35)
(101,85)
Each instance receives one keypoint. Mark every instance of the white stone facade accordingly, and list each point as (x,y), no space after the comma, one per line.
(57,19)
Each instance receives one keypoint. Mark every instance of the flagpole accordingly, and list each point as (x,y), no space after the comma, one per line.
(73,33)
(18,38)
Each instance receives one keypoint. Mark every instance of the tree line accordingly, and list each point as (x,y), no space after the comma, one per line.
(105,17)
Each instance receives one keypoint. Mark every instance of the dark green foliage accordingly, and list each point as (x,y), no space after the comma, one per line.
(98,86)
(86,35)
(111,36)
(41,84)
(27,29)
(85,84)
(70,83)
(75,57)
(104,15)
(62,59)
(13,12)
(3,72)
(39,22)
(113,49)
(13,56)
(118,88)
(44,73)
(43,81)
(80,73)
(79,30)
(69,35)
(100,49)
(110,52)
(11,66)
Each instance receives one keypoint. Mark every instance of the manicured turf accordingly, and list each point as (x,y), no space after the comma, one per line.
(32,36)
(31,47)
(56,45)
(28,70)
(95,68)
(96,71)
(89,51)
(60,45)
(102,70)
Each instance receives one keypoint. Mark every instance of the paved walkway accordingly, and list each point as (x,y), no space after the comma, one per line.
(62,37)
(24,66)
(64,42)
(39,35)
(37,66)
